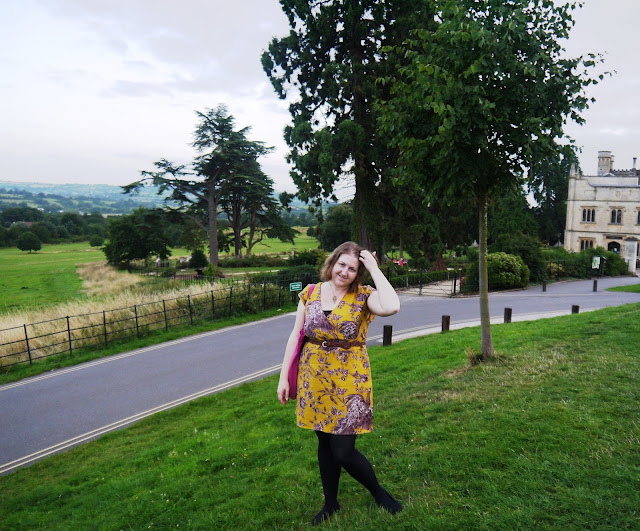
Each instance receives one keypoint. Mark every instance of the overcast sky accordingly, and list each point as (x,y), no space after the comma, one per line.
(93,91)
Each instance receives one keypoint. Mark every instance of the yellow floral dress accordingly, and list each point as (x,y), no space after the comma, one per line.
(334,383)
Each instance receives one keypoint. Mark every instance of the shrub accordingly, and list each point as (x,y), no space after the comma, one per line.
(526,247)
(96,241)
(505,271)
(315,257)
(199,259)
(303,273)
(564,264)
(254,260)
(420,262)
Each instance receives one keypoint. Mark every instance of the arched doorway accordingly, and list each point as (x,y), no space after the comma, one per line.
(615,247)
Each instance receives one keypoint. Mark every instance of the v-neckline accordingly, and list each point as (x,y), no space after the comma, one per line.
(337,303)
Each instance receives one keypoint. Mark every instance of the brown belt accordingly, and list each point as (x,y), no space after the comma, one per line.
(344,343)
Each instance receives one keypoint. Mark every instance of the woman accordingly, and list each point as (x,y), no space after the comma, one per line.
(334,379)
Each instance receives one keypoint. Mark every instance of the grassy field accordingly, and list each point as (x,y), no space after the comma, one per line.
(545,436)
(634,288)
(44,277)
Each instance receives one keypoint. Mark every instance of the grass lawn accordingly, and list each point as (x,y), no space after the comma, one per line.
(633,288)
(44,277)
(545,436)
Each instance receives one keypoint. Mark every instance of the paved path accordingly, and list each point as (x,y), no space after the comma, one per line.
(60,409)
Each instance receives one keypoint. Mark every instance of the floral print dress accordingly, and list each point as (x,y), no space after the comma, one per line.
(334,383)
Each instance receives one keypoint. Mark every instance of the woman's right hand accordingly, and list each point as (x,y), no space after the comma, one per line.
(283,391)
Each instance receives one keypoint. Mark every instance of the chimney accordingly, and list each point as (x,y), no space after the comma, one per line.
(605,162)
(634,162)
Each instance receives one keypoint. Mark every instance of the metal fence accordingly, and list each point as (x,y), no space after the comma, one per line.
(66,335)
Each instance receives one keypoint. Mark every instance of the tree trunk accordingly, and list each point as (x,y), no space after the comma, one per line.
(483,281)
(212,205)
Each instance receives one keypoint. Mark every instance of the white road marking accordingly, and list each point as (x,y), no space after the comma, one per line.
(6,467)
(117,357)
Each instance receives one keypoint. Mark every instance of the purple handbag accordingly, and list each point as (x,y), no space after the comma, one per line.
(293,368)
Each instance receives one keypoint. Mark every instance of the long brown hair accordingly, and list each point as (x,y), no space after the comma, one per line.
(350,248)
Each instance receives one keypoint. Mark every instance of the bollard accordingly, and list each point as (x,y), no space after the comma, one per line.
(386,335)
(575,309)
(544,285)
(507,315)
(595,285)
(446,320)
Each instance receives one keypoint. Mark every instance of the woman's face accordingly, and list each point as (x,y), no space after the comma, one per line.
(344,270)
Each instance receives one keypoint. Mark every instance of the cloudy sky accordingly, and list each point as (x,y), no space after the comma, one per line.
(93,91)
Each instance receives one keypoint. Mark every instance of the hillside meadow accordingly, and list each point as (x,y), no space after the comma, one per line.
(544,436)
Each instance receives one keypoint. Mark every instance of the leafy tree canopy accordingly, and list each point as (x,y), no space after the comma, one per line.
(332,58)
(485,94)
(137,236)
(29,242)
(225,157)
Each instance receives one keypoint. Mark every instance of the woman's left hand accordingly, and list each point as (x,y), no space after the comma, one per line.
(369,260)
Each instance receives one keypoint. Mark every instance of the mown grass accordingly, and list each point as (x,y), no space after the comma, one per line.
(44,277)
(545,436)
(633,288)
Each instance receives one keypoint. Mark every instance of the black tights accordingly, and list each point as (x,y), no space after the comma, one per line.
(339,451)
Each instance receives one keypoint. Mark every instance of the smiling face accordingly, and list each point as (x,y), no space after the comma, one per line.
(344,271)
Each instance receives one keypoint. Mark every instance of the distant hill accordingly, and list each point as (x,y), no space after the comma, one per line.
(103,198)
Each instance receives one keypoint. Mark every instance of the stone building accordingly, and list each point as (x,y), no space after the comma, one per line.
(604,210)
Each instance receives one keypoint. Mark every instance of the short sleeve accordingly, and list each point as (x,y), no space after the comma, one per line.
(365,292)
(304,294)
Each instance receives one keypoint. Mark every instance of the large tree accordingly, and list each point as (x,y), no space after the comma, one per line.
(224,154)
(253,212)
(332,59)
(549,184)
(137,236)
(485,94)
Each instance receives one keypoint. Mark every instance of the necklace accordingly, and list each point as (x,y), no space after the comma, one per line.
(335,297)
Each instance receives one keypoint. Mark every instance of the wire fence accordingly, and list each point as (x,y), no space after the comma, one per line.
(67,335)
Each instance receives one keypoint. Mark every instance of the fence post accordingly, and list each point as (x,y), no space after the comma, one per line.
(595,285)
(26,338)
(507,315)
(164,310)
(264,294)
(420,281)
(544,285)
(190,310)
(575,309)
(135,309)
(279,294)
(386,335)
(69,332)
(230,299)
(213,306)
(455,281)
(446,321)
(104,321)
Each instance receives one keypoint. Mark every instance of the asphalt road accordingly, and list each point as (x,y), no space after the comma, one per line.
(60,409)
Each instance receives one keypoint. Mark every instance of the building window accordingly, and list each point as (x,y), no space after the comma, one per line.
(588,215)
(586,244)
(638,222)
(616,216)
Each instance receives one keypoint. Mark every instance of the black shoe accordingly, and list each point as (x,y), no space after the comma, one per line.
(324,514)
(388,502)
